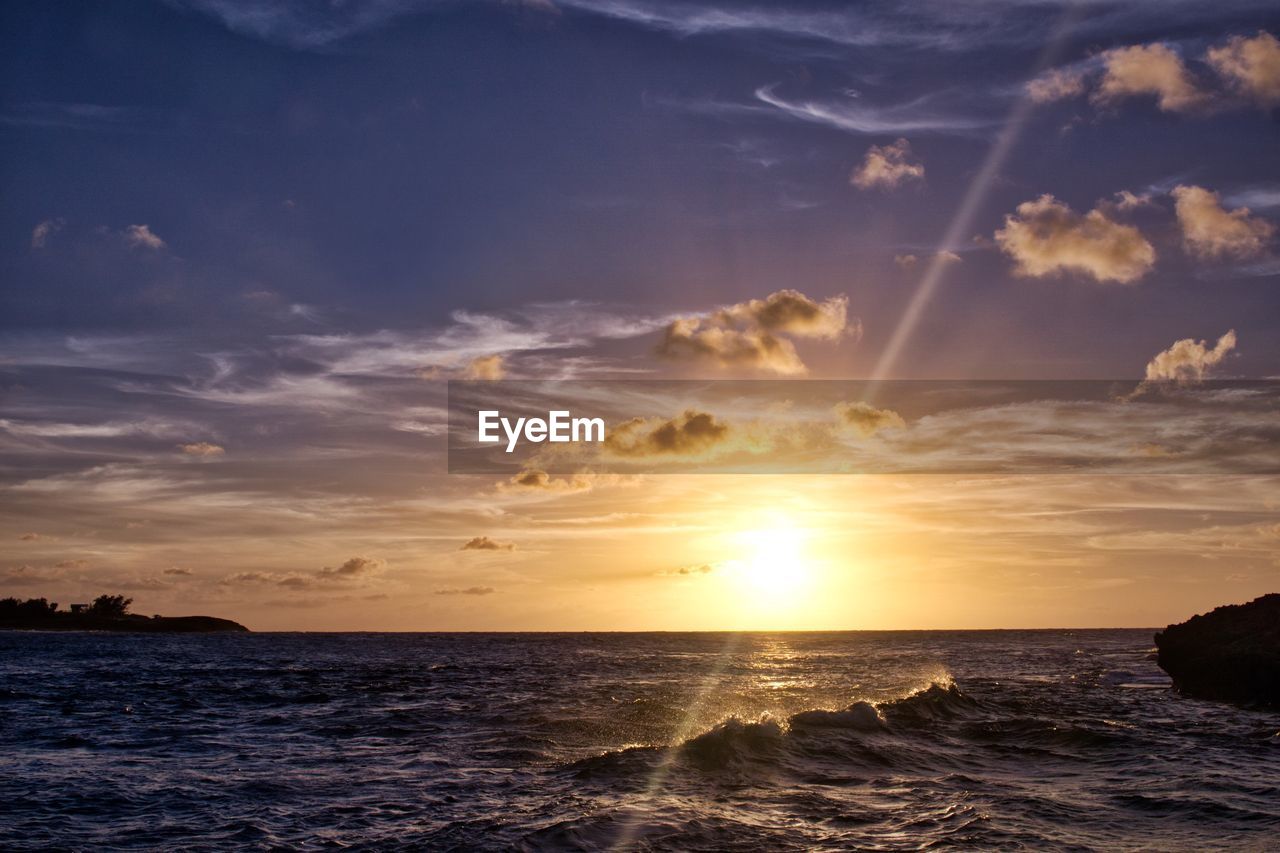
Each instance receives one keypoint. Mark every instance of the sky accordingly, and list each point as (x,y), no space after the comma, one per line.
(244,246)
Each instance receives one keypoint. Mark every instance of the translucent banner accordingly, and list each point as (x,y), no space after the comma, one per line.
(858,426)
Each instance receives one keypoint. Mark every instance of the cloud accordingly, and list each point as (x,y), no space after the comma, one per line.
(1045,236)
(142,237)
(111,429)
(1126,200)
(1251,66)
(24,576)
(690,433)
(909,261)
(789,30)
(887,167)
(1056,85)
(866,419)
(72,564)
(486,367)
(749,334)
(30,537)
(687,571)
(202,449)
(354,568)
(1152,69)
(537,480)
(1209,231)
(41,233)
(1189,361)
(251,577)
(470,590)
(175,570)
(854,115)
(484,543)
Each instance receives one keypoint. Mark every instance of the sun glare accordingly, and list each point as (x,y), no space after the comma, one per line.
(773,564)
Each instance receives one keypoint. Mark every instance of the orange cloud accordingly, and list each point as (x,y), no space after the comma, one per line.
(757,333)
(1251,66)
(690,433)
(1045,236)
(202,448)
(484,543)
(1152,69)
(487,367)
(887,167)
(537,480)
(1056,85)
(1210,231)
(866,419)
(1189,361)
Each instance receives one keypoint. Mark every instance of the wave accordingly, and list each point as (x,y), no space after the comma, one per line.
(738,742)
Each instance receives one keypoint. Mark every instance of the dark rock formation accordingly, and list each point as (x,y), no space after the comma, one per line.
(1231,653)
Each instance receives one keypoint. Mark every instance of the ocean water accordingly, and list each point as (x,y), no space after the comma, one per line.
(1062,739)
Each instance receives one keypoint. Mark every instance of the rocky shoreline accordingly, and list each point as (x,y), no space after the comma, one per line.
(1230,654)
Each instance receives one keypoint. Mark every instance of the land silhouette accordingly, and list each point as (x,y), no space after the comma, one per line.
(104,613)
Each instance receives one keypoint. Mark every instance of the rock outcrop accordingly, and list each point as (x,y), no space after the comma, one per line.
(1231,653)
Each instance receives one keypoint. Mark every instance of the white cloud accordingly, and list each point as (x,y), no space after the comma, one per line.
(142,237)
(920,115)
(42,232)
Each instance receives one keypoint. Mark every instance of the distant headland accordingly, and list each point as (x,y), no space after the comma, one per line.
(105,613)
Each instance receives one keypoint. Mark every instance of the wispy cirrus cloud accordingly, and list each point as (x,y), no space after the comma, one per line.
(923,114)
(932,24)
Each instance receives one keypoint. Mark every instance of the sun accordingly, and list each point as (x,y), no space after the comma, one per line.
(773,564)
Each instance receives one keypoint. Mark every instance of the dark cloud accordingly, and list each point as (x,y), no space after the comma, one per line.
(484,543)
(470,590)
(354,568)
(690,433)
(866,419)
(25,576)
(686,571)
(534,480)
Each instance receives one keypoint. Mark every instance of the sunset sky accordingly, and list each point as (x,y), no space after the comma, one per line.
(244,247)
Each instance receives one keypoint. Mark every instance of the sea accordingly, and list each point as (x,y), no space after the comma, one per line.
(1065,740)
